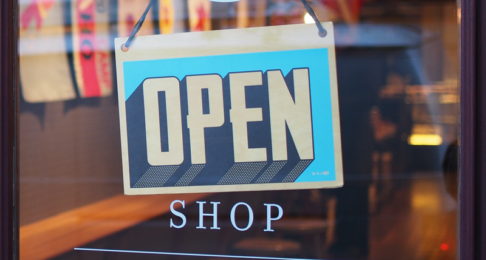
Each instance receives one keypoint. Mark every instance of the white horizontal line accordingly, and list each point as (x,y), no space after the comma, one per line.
(186,254)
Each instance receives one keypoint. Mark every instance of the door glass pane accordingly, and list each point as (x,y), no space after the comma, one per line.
(397,66)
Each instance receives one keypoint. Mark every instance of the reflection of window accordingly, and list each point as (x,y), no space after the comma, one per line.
(434,113)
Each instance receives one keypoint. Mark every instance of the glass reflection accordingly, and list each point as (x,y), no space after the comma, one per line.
(397,65)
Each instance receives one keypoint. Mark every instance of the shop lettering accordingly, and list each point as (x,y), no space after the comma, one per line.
(287,112)
(214,215)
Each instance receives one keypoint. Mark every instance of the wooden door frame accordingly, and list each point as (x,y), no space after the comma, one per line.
(472,182)
(9,93)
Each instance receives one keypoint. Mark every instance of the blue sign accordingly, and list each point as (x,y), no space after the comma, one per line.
(230,122)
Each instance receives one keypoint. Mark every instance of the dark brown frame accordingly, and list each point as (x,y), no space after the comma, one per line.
(8,129)
(480,191)
(472,184)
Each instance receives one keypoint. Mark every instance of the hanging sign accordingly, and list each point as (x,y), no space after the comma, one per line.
(232,110)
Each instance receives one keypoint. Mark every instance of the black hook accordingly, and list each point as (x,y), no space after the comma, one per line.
(322,31)
(136,28)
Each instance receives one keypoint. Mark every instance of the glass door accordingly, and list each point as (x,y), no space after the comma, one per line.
(398,97)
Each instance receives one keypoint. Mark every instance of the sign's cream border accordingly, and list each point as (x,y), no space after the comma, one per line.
(224,42)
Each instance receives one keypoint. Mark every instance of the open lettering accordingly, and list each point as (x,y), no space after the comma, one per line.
(288,112)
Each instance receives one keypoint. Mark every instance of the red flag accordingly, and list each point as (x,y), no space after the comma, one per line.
(92,62)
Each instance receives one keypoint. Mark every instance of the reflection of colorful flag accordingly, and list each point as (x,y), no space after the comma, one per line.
(44,67)
(36,10)
(129,12)
(91,48)
(345,10)
(243,19)
(199,15)
(171,16)
(259,9)
(230,15)
(166,16)
(285,12)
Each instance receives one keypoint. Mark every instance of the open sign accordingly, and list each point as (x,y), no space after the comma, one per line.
(231,119)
